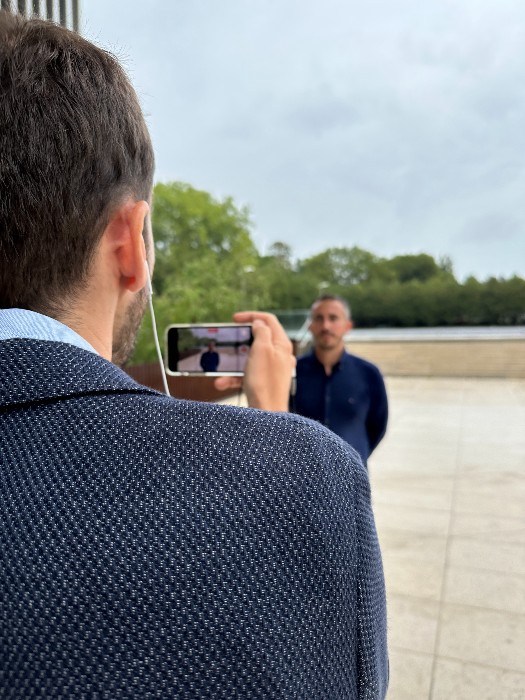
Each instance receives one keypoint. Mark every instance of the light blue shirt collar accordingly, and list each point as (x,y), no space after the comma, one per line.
(21,323)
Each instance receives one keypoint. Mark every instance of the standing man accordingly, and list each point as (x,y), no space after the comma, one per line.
(150,548)
(209,361)
(340,390)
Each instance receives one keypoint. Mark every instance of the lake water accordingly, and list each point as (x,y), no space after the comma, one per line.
(440,333)
(424,334)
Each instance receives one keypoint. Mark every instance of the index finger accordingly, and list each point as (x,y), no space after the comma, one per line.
(279,336)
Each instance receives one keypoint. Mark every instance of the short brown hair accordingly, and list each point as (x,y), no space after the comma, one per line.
(73,145)
(333,297)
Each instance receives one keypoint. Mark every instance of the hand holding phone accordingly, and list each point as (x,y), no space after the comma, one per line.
(270,365)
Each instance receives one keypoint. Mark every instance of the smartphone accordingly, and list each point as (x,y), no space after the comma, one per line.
(212,349)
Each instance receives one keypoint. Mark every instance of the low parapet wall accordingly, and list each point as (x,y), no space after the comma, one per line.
(194,388)
(444,358)
(398,353)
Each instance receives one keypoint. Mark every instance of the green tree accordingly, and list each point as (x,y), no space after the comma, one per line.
(502,302)
(445,264)
(204,260)
(207,267)
(340,267)
(409,268)
(281,252)
(190,225)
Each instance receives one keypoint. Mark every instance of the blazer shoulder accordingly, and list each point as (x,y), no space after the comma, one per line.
(40,370)
(247,435)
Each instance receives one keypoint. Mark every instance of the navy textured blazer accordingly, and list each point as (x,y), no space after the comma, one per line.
(155,548)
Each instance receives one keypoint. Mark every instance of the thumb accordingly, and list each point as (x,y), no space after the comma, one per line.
(224,383)
(261,332)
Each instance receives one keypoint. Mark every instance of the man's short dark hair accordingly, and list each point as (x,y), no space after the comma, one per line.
(73,146)
(333,297)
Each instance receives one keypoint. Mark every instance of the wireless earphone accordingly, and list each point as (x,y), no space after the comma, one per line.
(149,291)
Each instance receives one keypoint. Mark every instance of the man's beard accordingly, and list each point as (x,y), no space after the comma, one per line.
(326,341)
(125,333)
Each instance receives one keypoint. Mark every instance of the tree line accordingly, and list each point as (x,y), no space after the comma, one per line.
(207,266)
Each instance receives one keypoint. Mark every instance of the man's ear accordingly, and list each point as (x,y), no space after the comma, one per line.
(349,325)
(123,236)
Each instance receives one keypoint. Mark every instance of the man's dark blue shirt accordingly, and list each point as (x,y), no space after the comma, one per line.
(209,361)
(352,401)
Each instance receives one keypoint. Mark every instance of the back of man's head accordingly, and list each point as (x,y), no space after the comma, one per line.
(73,145)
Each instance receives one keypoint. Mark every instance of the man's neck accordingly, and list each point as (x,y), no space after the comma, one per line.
(89,317)
(329,358)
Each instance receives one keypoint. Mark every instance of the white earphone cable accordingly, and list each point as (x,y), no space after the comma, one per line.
(155,334)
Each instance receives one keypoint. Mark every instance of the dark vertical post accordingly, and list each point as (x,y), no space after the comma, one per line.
(49,9)
(36,8)
(63,14)
(22,7)
(6,5)
(76,20)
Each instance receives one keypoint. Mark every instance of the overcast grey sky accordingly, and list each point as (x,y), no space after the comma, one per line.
(394,125)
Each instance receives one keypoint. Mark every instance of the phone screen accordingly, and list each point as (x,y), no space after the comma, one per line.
(208,349)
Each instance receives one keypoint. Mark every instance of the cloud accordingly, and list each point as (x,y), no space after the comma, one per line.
(397,126)
(496,228)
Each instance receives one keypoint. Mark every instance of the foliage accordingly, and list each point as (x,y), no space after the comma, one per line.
(207,266)
(204,257)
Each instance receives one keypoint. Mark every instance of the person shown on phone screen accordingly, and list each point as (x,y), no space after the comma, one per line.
(210,358)
(151,547)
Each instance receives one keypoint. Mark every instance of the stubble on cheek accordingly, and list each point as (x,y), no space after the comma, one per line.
(125,335)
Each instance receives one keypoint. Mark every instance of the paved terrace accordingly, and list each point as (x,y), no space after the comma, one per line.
(448,485)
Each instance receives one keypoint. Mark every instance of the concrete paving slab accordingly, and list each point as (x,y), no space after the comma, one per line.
(413,577)
(490,527)
(483,588)
(448,487)
(407,489)
(414,545)
(505,557)
(482,636)
(433,521)
(410,674)
(456,680)
(419,619)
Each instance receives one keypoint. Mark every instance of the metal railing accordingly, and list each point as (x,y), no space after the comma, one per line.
(62,11)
